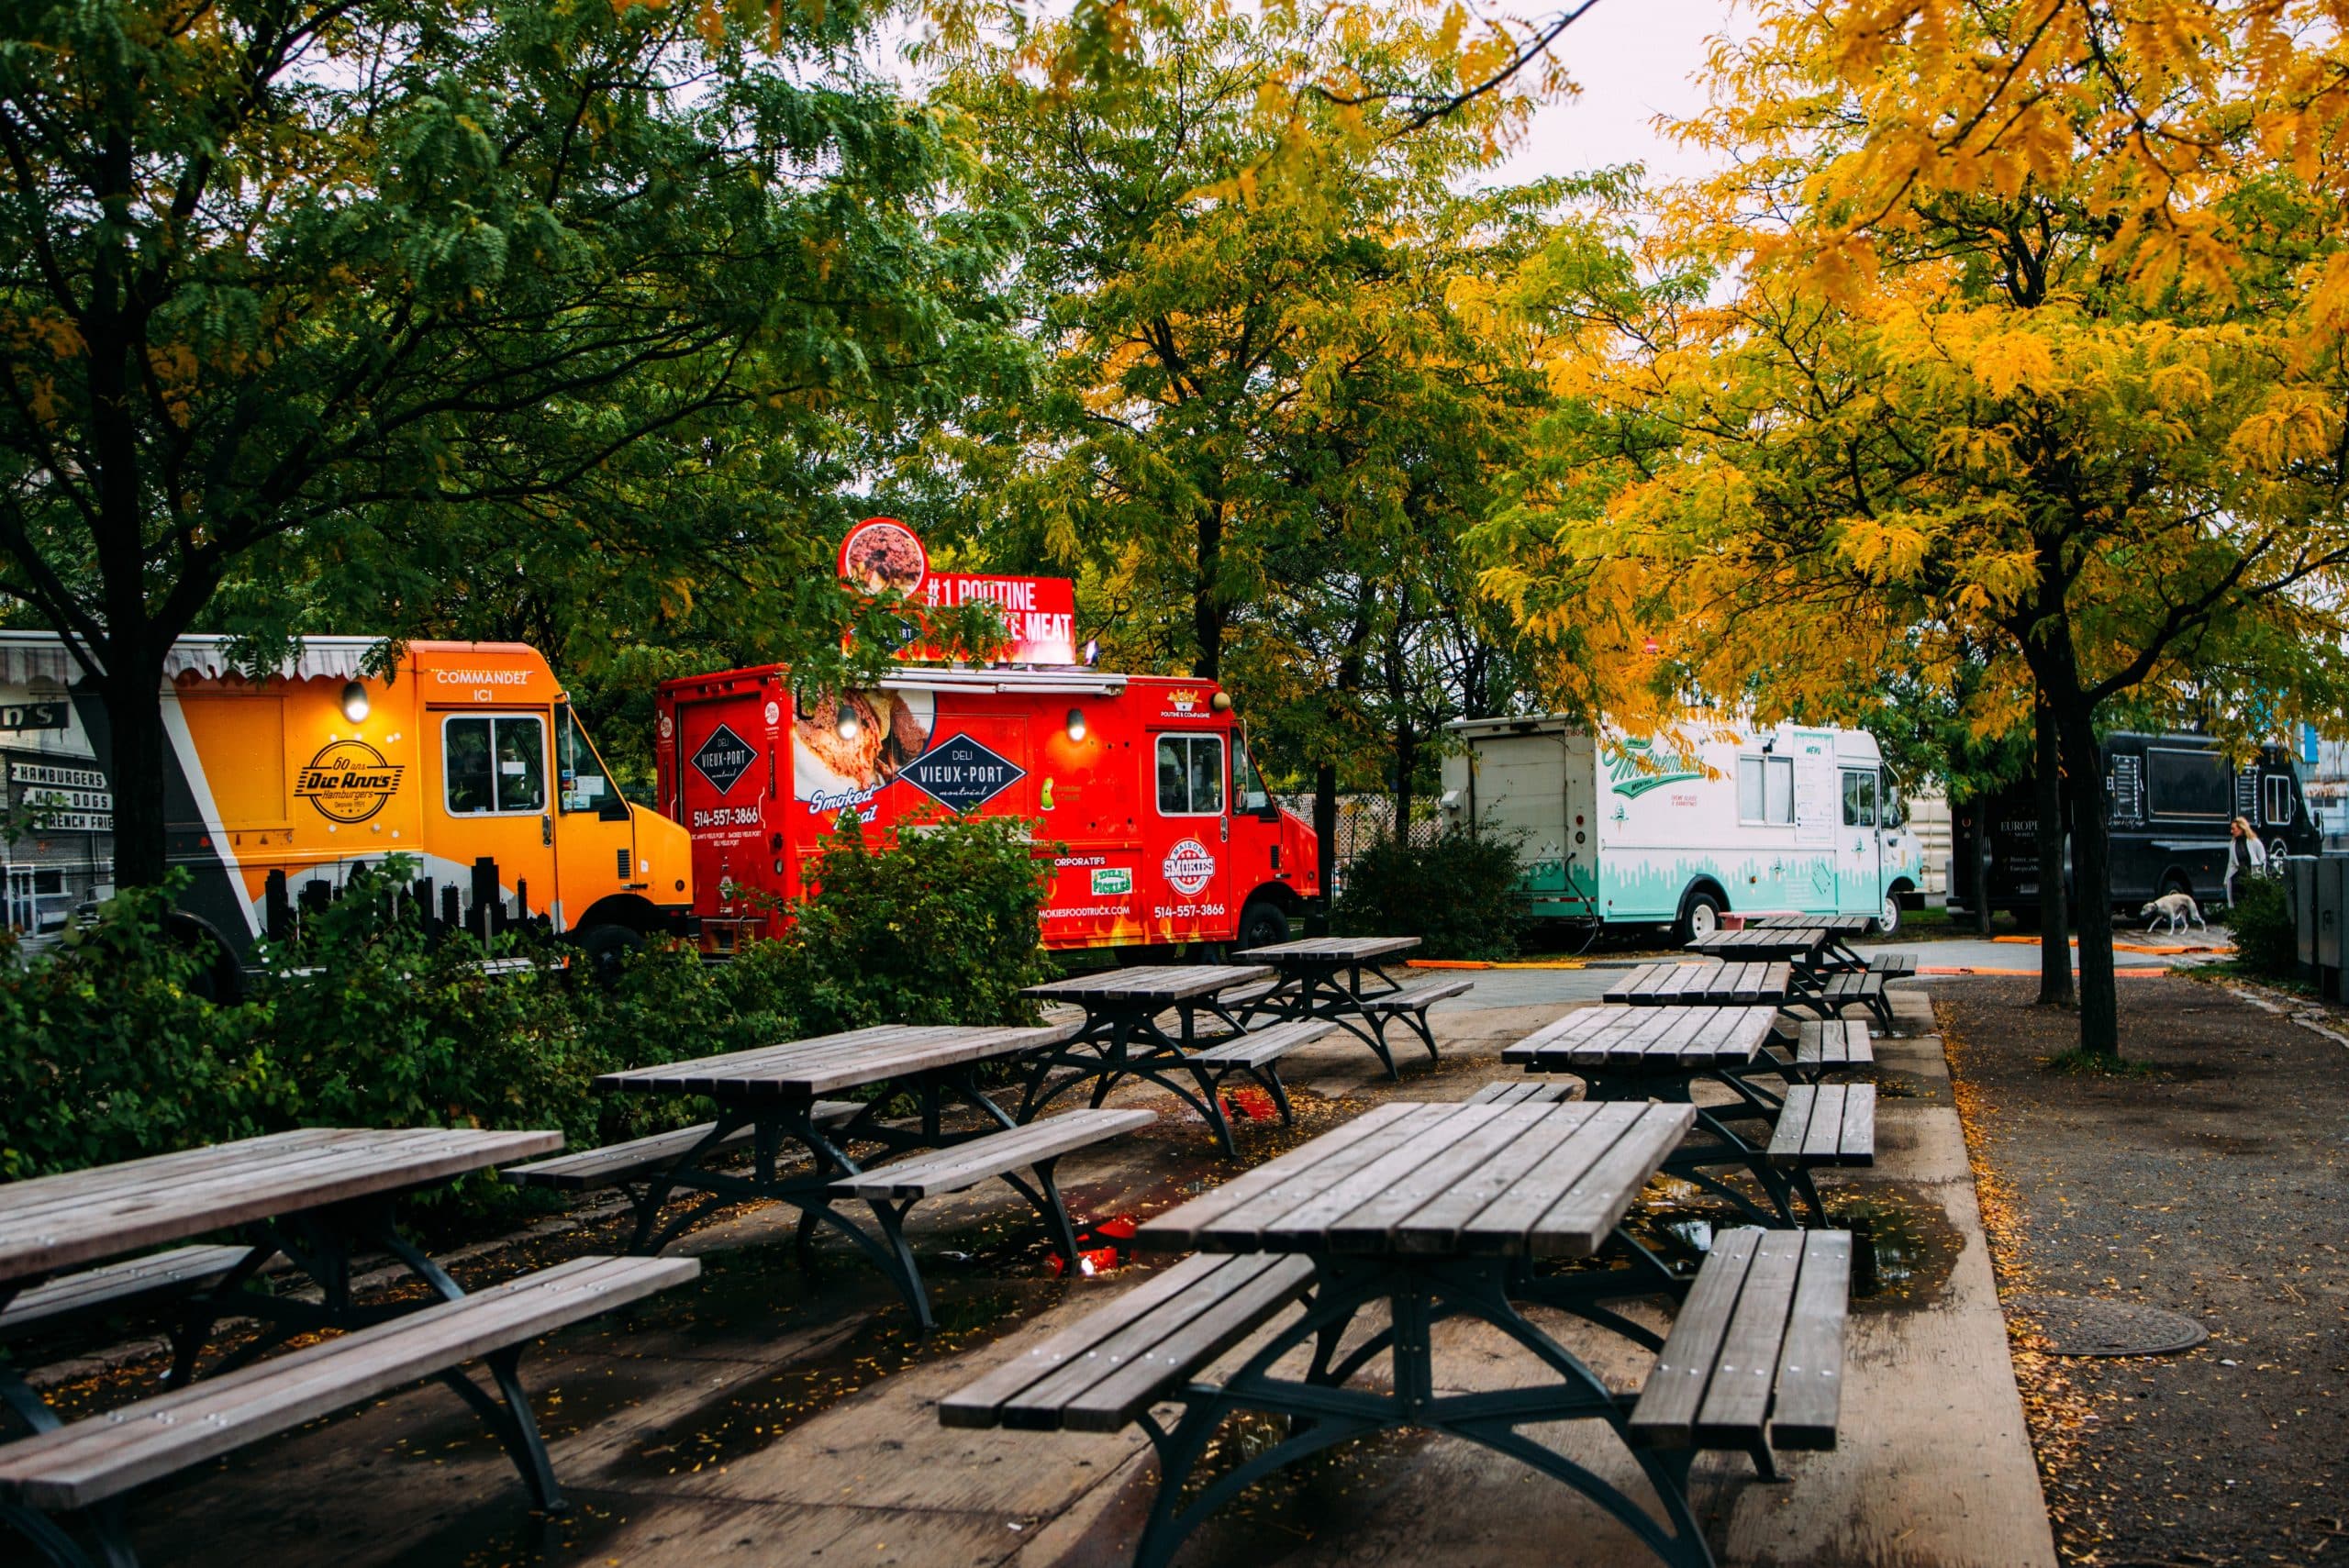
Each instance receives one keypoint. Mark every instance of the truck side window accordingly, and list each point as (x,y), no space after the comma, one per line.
(578,772)
(1859,799)
(1765,789)
(2276,809)
(1190,775)
(491,765)
(1247,783)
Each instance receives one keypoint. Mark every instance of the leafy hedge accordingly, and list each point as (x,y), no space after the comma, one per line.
(1458,892)
(108,1051)
(2266,939)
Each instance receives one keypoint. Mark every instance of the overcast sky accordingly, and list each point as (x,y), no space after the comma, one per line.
(1634,59)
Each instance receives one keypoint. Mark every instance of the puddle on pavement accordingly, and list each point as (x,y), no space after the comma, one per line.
(1902,1249)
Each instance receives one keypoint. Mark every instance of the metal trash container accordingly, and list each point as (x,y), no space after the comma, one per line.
(2300,882)
(2330,897)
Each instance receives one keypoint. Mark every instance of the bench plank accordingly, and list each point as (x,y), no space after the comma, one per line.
(967,1164)
(1665,1415)
(1258,1046)
(1737,1395)
(1413,996)
(1832,1124)
(1834,1042)
(103,1456)
(615,1162)
(184,1270)
(1810,1362)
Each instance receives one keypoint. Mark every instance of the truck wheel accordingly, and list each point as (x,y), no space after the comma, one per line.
(605,949)
(1887,920)
(1262,923)
(1700,916)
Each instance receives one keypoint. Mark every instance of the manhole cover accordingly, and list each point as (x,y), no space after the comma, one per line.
(2075,1325)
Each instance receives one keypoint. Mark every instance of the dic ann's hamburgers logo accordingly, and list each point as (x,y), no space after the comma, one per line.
(1188,867)
(348,780)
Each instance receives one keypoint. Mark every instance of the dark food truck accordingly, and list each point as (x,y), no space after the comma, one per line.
(2169,801)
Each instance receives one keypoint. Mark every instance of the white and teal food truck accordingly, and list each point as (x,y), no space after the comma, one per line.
(1727,818)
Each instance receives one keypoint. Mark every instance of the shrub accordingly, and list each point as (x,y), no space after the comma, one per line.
(1458,893)
(942,929)
(2265,937)
(108,1050)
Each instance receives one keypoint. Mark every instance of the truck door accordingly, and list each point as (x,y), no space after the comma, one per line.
(595,835)
(1187,856)
(1859,873)
(489,766)
(729,776)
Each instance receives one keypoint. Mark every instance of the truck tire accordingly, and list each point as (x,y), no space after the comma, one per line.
(1700,915)
(1262,923)
(1887,919)
(605,949)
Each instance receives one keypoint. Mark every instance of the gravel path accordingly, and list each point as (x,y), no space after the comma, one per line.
(2213,1183)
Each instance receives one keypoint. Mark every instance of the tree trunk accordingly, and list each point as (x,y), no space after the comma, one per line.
(1325,833)
(1980,870)
(1407,763)
(138,752)
(1206,598)
(2092,878)
(2054,937)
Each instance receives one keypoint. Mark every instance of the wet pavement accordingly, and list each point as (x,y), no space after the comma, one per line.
(764,1416)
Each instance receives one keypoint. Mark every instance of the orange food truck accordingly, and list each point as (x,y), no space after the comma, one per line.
(468,760)
(1162,829)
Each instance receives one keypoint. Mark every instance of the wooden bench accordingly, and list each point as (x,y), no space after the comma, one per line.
(183,1271)
(1755,1357)
(1893,965)
(1241,1001)
(1257,1055)
(636,1166)
(90,1464)
(1822,1046)
(1410,1002)
(1522,1091)
(893,1189)
(1106,1370)
(1825,1124)
(1836,991)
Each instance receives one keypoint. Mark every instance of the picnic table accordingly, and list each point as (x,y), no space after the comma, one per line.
(1409,1215)
(1710,983)
(769,1098)
(1793,944)
(1121,1037)
(1838,953)
(1323,978)
(319,1195)
(1663,1054)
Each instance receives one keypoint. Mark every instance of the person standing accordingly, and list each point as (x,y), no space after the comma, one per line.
(2245,854)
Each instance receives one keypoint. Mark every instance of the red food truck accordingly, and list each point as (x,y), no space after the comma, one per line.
(1161,829)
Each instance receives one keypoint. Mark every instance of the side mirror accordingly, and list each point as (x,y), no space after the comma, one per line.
(611,808)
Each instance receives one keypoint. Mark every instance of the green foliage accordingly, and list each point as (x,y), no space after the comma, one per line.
(941,928)
(1459,892)
(2266,938)
(110,1052)
(107,1051)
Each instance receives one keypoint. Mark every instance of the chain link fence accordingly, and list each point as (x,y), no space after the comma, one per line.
(1364,820)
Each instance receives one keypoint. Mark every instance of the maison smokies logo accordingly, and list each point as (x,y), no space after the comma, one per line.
(348,780)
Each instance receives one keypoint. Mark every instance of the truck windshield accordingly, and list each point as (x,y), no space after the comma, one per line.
(579,773)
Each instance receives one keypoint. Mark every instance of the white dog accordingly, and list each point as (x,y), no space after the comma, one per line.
(2178,908)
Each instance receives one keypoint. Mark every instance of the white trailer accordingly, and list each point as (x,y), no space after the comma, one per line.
(1621,831)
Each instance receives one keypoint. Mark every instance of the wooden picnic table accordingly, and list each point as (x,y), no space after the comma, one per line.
(1838,954)
(1795,944)
(1661,1053)
(1121,1037)
(1322,977)
(1411,1214)
(772,1091)
(320,1195)
(1711,982)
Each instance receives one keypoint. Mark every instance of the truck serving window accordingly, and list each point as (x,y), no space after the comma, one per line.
(1190,775)
(578,772)
(1765,789)
(491,765)
(2277,809)
(1859,799)
(2187,783)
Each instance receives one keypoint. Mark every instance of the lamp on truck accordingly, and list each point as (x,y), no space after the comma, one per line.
(354,701)
(1076,724)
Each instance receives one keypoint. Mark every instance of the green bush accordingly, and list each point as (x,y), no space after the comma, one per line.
(109,1053)
(940,930)
(1458,893)
(2266,938)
